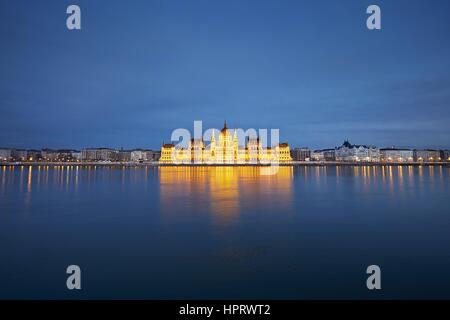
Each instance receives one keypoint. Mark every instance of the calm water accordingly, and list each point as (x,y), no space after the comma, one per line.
(224,232)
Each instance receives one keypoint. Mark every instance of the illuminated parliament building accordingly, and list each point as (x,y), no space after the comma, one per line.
(225,150)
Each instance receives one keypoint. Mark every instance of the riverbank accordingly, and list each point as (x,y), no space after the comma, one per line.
(157,164)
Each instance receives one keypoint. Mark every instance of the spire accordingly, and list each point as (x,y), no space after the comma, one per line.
(225,128)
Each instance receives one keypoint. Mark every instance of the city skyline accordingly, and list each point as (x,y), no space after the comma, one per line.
(137,147)
(311,69)
(183,145)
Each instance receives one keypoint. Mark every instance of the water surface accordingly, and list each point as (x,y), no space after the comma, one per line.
(224,232)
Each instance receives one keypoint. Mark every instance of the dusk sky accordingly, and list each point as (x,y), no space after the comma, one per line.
(139,69)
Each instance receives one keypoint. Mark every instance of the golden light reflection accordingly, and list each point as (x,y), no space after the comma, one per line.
(224,191)
(410,174)
(30,175)
(400,176)
(21,178)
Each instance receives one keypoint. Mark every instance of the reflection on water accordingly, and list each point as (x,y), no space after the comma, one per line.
(227,188)
(235,232)
(214,177)
(223,191)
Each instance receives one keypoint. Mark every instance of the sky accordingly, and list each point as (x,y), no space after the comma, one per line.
(139,69)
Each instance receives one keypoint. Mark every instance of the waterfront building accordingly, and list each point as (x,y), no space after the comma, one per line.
(67,155)
(225,150)
(445,155)
(76,155)
(167,153)
(88,154)
(49,155)
(138,155)
(352,152)
(152,155)
(99,154)
(324,155)
(5,154)
(60,155)
(282,152)
(426,155)
(19,154)
(396,155)
(301,154)
(124,155)
(34,155)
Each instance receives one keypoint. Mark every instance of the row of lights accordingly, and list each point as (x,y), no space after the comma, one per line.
(31,159)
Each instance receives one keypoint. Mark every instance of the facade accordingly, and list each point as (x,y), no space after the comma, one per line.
(76,155)
(89,154)
(301,154)
(396,155)
(225,150)
(138,155)
(19,154)
(49,155)
(167,153)
(99,154)
(34,155)
(445,155)
(5,154)
(124,155)
(152,155)
(427,155)
(351,152)
(67,155)
(324,155)
(60,155)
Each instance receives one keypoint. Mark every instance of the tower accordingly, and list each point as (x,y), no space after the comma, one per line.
(213,146)
(235,146)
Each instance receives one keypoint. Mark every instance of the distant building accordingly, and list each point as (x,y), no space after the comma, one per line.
(352,152)
(34,155)
(138,155)
(396,155)
(445,155)
(76,155)
(49,155)
(61,155)
(426,155)
(19,154)
(317,155)
(88,154)
(5,154)
(301,154)
(152,155)
(124,155)
(324,155)
(99,154)
(67,155)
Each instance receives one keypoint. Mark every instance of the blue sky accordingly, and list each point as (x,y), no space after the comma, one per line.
(139,69)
